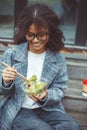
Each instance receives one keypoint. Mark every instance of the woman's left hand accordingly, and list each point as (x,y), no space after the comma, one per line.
(40,96)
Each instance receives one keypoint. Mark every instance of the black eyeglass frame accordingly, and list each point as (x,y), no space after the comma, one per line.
(37,35)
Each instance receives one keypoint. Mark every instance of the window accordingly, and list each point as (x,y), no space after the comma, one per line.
(9,13)
(71,12)
(6,19)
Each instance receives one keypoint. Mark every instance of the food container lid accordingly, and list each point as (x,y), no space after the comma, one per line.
(84,81)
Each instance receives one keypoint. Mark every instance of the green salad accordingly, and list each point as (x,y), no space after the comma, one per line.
(33,86)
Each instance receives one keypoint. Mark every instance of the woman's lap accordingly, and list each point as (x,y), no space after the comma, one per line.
(39,119)
(28,120)
(58,120)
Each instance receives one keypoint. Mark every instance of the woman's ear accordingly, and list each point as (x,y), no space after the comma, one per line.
(26,36)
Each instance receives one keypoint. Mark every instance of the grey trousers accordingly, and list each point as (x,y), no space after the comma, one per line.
(39,119)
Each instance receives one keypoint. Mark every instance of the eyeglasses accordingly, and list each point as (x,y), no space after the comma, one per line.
(41,36)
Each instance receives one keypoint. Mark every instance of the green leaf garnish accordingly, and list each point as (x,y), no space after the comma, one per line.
(35,86)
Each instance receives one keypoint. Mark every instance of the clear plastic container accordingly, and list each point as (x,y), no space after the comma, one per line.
(84,87)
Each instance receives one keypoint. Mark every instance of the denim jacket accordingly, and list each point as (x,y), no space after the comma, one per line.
(54,74)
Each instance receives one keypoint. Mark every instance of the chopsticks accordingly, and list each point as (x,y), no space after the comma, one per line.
(24,78)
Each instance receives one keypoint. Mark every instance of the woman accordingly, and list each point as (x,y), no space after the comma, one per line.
(39,41)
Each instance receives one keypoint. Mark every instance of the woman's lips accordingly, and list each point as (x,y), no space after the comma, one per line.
(37,44)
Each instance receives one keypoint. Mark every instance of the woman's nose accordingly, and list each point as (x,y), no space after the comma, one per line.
(35,39)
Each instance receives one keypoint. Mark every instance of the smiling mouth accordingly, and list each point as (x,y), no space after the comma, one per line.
(37,44)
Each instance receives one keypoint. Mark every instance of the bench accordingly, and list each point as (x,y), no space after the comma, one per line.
(75,104)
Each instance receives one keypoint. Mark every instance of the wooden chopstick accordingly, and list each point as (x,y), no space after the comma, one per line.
(24,78)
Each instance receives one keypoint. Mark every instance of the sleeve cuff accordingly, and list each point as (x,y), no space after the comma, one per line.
(6,85)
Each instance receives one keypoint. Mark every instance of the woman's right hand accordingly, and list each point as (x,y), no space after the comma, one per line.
(9,74)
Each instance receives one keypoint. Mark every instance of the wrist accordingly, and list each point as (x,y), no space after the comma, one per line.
(6,84)
(7,81)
